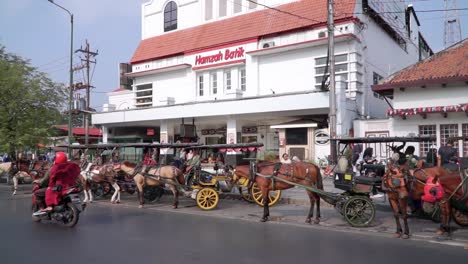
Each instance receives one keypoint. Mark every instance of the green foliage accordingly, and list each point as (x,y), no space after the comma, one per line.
(270,156)
(30,104)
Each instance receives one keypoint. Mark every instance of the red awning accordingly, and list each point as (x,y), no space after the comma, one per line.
(80,131)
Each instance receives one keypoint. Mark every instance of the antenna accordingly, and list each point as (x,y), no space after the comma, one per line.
(452,28)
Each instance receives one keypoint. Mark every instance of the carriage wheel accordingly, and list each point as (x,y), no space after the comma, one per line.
(359,211)
(273,196)
(152,193)
(245,194)
(460,217)
(101,189)
(207,198)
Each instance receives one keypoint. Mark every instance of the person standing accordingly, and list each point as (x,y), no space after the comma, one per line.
(448,157)
(431,157)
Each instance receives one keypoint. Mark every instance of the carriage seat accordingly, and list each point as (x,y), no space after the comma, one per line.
(368,180)
(379,169)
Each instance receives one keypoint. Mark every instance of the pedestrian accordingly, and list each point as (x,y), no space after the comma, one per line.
(448,157)
(431,158)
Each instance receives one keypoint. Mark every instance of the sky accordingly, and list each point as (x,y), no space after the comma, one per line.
(40,31)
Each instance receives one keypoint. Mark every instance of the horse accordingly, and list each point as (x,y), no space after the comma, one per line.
(99,174)
(154,176)
(36,169)
(394,185)
(450,182)
(297,172)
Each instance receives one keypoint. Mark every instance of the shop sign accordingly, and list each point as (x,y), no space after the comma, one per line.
(322,137)
(220,56)
(249,130)
(150,132)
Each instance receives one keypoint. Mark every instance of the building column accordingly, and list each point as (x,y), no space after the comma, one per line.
(344,117)
(105,133)
(166,155)
(232,157)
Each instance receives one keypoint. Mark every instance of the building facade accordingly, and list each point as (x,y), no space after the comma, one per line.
(221,71)
(429,98)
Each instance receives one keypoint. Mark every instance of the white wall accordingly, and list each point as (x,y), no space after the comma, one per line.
(384,56)
(414,97)
(190,13)
(122,100)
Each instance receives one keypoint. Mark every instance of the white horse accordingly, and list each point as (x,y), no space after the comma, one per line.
(6,167)
(99,174)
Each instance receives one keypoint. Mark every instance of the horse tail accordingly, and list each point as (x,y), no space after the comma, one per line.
(319,178)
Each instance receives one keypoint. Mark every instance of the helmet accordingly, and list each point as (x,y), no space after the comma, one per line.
(60,157)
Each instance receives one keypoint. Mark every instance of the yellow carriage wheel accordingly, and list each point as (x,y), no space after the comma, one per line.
(245,194)
(273,196)
(207,198)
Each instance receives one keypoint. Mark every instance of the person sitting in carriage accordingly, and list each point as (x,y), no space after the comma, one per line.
(62,175)
(368,156)
(193,161)
(410,157)
(448,157)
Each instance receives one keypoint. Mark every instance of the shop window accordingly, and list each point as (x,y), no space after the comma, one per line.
(296,136)
(243,81)
(214,82)
(222,8)
(208,9)
(341,69)
(252,4)
(170,16)
(144,95)
(375,80)
(426,130)
(237,6)
(200,85)
(446,131)
(227,79)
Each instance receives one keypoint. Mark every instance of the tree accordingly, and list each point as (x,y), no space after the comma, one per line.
(30,104)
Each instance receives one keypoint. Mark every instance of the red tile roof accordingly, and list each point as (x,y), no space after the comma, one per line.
(81,131)
(243,27)
(447,66)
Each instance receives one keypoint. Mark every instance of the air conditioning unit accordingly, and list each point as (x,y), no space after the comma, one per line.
(322,34)
(268,44)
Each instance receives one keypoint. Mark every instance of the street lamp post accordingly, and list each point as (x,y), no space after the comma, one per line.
(70,103)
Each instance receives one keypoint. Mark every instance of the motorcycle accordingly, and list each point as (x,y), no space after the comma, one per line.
(67,212)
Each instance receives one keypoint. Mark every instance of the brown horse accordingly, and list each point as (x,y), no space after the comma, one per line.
(394,185)
(154,176)
(450,182)
(298,172)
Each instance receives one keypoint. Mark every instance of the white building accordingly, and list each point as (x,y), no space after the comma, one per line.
(241,71)
(429,98)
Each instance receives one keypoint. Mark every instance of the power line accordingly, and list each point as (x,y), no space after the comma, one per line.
(417,11)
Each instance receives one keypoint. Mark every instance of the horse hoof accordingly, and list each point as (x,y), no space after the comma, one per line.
(397,235)
(405,236)
(308,221)
(439,232)
(140,206)
(117,202)
(264,219)
(317,221)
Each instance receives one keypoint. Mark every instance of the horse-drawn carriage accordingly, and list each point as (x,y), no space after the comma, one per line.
(212,177)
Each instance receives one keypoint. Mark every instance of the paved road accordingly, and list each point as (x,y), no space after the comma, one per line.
(116,234)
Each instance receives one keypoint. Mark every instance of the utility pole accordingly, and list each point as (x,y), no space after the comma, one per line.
(87,60)
(332,93)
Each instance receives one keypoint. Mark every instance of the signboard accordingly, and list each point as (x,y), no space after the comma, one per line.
(150,132)
(219,56)
(392,11)
(322,137)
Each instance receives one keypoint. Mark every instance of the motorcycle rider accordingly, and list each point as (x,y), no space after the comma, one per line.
(62,175)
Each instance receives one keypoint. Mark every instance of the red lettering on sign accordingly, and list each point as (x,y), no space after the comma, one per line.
(228,55)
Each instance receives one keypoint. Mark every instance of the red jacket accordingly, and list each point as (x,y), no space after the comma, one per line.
(65,175)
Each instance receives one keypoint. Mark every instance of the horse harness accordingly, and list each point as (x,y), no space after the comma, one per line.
(276,170)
